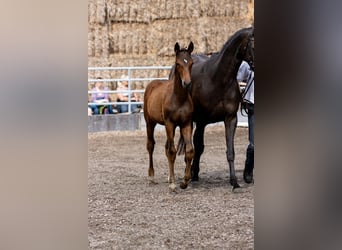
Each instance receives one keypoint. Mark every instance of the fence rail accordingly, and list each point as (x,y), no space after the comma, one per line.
(129,79)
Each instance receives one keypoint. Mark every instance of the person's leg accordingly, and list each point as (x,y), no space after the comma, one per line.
(249,164)
(95,109)
(135,108)
(251,124)
(123,108)
(110,109)
(118,108)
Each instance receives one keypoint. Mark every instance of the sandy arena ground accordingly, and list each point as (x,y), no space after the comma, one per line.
(126,212)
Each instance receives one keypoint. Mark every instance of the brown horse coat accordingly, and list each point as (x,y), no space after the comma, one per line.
(168,102)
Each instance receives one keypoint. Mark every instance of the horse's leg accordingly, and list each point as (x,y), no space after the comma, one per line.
(189,154)
(199,148)
(150,148)
(170,151)
(230,127)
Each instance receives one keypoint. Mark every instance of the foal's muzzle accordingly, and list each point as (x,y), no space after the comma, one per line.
(186,85)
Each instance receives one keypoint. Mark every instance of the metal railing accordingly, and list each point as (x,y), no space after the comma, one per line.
(129,80)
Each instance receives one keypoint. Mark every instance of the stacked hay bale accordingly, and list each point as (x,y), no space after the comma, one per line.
(143,33)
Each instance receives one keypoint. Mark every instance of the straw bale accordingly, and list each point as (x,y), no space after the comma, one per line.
(105,42)
(139,32)
(101,11)
(91,12)
(128,11)
(91,44)
(250,13)
(98,41)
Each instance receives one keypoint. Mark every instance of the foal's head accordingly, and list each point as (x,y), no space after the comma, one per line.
(184,63)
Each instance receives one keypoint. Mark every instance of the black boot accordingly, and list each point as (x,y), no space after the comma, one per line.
(249,166)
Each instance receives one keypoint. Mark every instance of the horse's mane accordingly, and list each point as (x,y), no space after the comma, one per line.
(234,37)
(230,41)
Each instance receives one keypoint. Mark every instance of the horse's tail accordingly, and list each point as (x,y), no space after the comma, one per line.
(181,146)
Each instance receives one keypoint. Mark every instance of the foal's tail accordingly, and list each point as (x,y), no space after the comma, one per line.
(181,146)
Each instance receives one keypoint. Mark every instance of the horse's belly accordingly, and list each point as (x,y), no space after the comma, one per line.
(154,103)
(215,113)
(182,115)
(155,112)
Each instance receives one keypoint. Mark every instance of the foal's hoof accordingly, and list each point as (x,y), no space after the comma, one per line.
(151,181)
(248,177)
(172,187)
(183,185)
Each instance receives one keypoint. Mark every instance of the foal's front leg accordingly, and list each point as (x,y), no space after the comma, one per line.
(150,148)
(171,151)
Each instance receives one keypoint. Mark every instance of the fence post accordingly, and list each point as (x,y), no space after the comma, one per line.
(129,91)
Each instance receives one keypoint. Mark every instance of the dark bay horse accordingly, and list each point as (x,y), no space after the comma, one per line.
(168,102)
(216,95)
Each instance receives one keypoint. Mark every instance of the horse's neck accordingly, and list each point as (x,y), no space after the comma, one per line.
(180,92)
(227,63)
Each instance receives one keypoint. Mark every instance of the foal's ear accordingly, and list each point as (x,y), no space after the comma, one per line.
(177,48)
(190,47)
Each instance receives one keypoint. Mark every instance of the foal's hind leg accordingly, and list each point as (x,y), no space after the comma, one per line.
(170,151)
(189,154)
(150,148)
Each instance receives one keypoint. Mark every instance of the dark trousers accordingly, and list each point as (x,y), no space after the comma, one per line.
(249,164)
(123,108)
(250,108)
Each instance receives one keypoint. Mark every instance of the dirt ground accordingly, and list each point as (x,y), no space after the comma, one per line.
(126,212)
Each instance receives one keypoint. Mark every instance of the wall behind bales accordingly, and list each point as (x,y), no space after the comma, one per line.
(143,33)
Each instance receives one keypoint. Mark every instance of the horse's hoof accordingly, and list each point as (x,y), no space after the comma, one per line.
(235,186)
(194,178)
(248,177)
(183,185)
(237,189)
